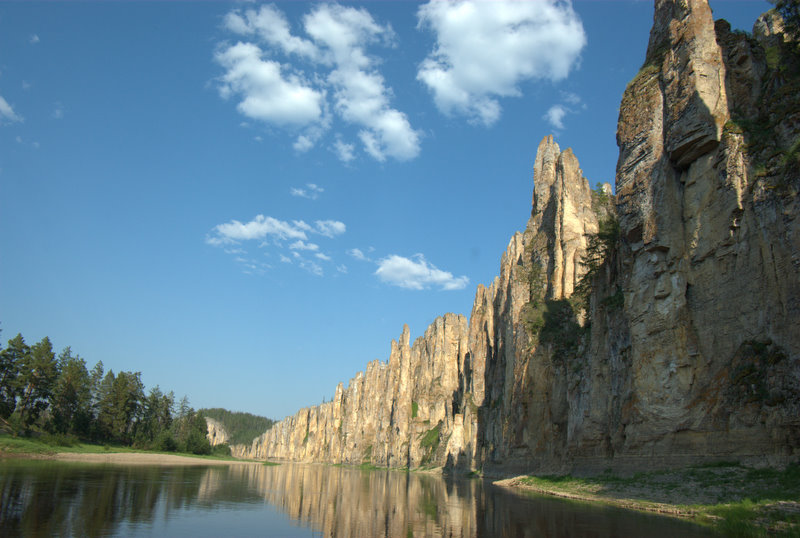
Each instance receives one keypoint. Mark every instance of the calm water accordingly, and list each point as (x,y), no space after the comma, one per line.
(39,498)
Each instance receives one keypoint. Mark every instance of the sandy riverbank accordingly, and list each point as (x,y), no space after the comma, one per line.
(619,499)
(141,458)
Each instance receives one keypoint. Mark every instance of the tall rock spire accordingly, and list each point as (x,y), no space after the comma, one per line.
(683,45)
(562,212)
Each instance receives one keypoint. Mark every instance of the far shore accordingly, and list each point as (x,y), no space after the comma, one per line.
(135,458)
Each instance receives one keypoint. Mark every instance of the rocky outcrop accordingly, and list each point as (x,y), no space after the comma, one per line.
(216,433)
(653,328)
(398,413)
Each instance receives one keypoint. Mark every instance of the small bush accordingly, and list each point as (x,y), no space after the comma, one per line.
(614,302)
(166,443)
(60,439)
(431,438)
(561,329)
(221,450)
(197,443)
(599,248)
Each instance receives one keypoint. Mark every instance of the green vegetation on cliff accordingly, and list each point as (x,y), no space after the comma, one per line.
(241,427)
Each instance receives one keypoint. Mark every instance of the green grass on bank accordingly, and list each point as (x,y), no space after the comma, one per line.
(734,499)
(49,444)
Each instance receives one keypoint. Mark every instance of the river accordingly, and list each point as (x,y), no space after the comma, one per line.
(46,498)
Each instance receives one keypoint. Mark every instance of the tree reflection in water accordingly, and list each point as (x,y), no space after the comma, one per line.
(52,498)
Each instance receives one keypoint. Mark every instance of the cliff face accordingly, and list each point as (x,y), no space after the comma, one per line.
(710,262)
(216,433)
(395,414)
(681,345)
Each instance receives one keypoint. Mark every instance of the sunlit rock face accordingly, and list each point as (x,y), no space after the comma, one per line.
(449,398)
(216,432)
(398,413)
(688,346)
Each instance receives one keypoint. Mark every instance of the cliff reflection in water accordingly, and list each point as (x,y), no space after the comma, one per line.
(346,501)
(48,498)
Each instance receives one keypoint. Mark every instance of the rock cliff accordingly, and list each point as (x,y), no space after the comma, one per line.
(657,327)
(216,432)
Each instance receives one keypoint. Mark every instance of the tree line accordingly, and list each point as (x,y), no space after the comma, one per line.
(41,393)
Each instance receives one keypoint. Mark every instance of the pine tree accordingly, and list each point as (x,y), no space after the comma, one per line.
(10,359)
(38,371)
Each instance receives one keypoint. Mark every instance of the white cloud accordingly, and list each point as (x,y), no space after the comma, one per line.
(555,116)
(33,39)
(7,113)
(358,254)
(280,94)
(556,113)
(301,245)
(342,268)
(312,267)
(344,151)
(484,50)
(272,27)
(330,228)
(259,228)
(312,191)
(571,98)
(303,143)
(58,111)
(416,274)
(360,93)
(267,94)
(302,225)
(271,232)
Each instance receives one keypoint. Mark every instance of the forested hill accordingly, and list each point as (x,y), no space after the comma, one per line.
(241,427)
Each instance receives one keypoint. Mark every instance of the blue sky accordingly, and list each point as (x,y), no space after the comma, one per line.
(246,201)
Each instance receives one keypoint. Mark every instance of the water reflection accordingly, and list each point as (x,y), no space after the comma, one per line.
(47,498)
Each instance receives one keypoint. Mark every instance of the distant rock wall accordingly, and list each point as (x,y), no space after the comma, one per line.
(216,432)
(385,413)
(687,348)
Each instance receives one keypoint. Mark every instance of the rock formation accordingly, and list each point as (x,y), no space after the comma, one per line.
(216,432)
(658,327)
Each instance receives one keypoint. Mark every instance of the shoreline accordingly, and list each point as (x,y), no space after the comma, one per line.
(727,496)
(129,458)
(517,484)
